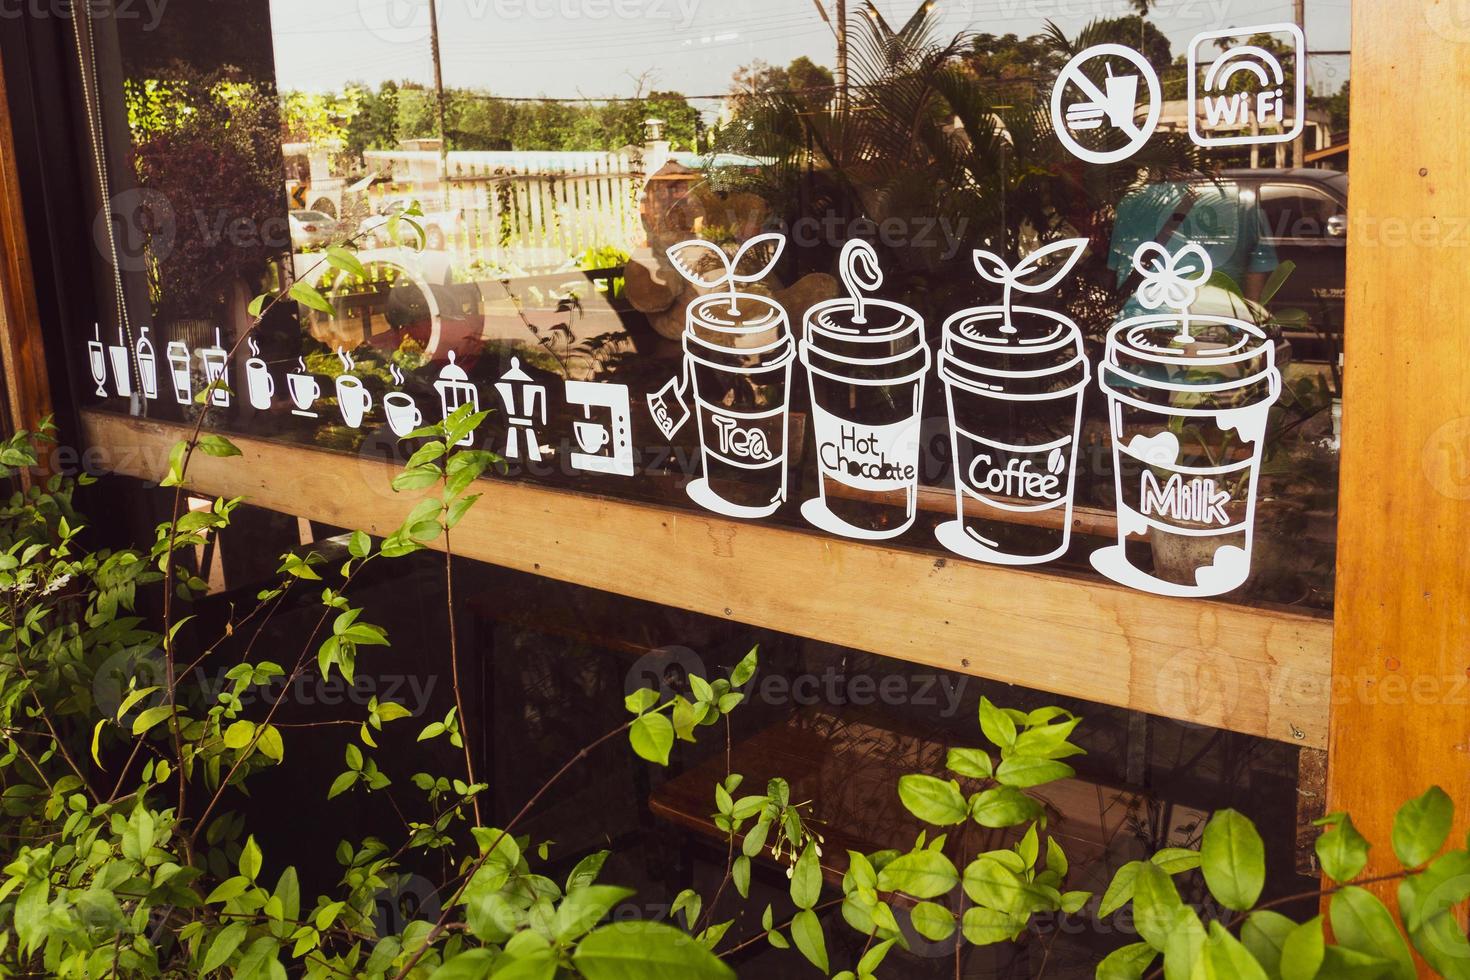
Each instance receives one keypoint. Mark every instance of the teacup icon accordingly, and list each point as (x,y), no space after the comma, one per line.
(354,399)
(593,437)
(403,414)
(304,392)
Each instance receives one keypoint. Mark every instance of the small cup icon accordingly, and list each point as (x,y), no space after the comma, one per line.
(305,390)
(354,399)
(259,383)
(403,413)
(593,437)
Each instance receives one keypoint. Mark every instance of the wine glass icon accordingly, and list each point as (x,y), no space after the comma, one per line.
(97,360)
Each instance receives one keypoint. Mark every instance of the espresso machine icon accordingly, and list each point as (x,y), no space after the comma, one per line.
(525,408)
(606,443)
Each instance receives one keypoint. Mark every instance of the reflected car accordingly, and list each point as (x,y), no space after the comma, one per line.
(439,226)
(313,229)
(1251,222)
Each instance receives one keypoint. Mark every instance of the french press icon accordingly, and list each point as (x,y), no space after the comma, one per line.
(455,390)
(525,406)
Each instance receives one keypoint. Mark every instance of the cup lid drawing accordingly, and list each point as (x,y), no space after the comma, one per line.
(452,373)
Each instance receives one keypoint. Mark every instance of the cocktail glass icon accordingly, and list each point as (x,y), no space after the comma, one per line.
(178,369)
(97,360)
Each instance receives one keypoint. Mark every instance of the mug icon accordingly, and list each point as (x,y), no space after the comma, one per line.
(403,414)
(593,437)
(262,387)
(354,399)
(304,391)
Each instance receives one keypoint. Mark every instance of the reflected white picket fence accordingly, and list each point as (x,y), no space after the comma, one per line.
(523,211)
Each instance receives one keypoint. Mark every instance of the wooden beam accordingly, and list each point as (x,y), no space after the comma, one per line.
(22,351)
(1401,663)
(1263,672)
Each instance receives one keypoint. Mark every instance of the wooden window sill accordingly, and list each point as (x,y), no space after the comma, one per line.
(1263,672)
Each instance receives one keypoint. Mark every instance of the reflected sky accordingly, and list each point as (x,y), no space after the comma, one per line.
(602,48)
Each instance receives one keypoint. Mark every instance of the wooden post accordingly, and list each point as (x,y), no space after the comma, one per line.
(27,390)
(1401,665)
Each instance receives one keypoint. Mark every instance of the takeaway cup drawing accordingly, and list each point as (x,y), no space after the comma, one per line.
(1189,397)
(97,360)
(260,386)
(147,364)
(865,360)
(738,352)
(403,412)
(1014,377)
(178,371)
(304,389)
(353,398)
(122,371)
(216,360)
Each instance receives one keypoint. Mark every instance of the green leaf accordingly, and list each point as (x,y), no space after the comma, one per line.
(1185,941)
(934,922)
(1342,851)
(1421,827)
(584,908)
(746,668)
(641,700)
(339,258)
(1176,860)
(1278,279)
(1361,923)
(475,964)
(238,735)
(257,305)
(646,951)
(96,737)
(1025,771)
(343,783)
(922,874)
(652,737)
(874,957)
(1223,957)
(990,883)
(218,446)
(806,878)
(806,932)
(250,859)
(970,762)
(307,295)
(1127,963)
(1264,934)
(998,726)
(359,545)
(1004,806)
(1156,905)
(740,875)
(934,801)
(986,927)
(223,946)
(1233,858)
(1301,953)
(1120,890)
(1339,963)
(149,717)
(270,744)
(1444,945)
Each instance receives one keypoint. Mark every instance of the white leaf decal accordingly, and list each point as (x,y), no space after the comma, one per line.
(687,257)
(1068,253)
(992,267)
(765,249)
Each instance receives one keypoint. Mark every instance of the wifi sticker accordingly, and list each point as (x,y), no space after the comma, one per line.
(1248,86)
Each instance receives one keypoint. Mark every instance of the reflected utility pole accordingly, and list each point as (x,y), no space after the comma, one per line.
(841,73)
(1299,145)
(439,97)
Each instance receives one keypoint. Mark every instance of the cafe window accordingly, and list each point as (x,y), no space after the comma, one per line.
(962,352)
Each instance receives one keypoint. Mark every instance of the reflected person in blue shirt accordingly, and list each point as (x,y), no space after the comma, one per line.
(1227,223)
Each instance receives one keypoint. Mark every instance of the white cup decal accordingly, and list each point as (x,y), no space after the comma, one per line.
(865,361)
(260,386)
(738,352)
(1006,370)
(1189,397)
(353,398)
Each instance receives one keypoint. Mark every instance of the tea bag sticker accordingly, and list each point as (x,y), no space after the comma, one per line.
(1189,399)
(667,406)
